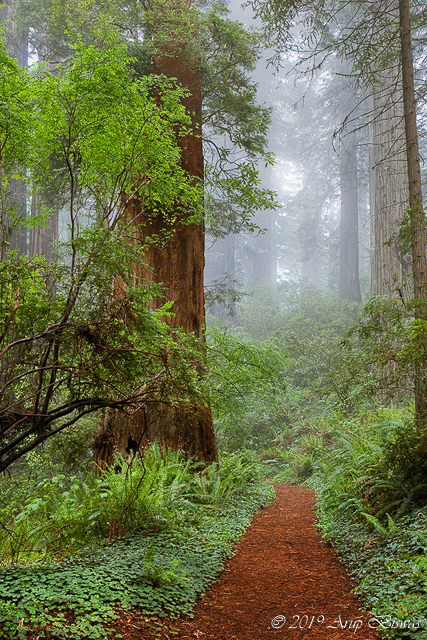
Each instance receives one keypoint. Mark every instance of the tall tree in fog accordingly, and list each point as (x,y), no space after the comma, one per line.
(236,116)
(16,42)
(262,265)
(349,215)
(368,34)
(311,214)
(389,193)
(349,222)
(416,210)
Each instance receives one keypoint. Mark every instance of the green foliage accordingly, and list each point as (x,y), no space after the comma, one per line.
(226,52)
(389,564)
(15,113)
(247,388)
(16,119)
(382,352)
(182,526)
(100,142)
(308,326)
(369,464)
(296,455)
(235,125)
(281,368)
(101,135)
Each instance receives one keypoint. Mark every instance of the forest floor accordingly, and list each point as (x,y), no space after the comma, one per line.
(283,582)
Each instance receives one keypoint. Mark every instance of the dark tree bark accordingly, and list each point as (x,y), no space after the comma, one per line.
(416,212)
(349,224)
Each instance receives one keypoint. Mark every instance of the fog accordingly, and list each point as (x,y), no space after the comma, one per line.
(339,174)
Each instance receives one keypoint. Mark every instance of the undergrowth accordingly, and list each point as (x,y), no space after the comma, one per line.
(389,564)
(370,480)
(153,537)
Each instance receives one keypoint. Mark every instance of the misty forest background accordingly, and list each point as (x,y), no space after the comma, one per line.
(277,147)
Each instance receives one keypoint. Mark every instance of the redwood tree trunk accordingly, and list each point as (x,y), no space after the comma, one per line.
(416,212)
(390,268)
(178,263)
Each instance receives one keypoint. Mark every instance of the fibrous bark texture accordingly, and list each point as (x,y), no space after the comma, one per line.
(187,429)
(177,262)
(416,211)
(390,267)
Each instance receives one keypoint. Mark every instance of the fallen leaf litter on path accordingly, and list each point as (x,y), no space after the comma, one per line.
(284,582)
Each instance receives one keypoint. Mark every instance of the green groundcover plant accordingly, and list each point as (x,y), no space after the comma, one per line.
(152,537)
(389,564)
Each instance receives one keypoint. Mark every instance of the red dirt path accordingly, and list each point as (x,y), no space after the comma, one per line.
(282,567)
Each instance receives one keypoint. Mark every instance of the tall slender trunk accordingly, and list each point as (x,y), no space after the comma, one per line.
(349,224)
(264,268)
(220,270)
(416,212)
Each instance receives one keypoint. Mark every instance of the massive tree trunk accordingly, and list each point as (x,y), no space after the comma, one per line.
(390,268)
(178,262)
(416,212)
(349,223)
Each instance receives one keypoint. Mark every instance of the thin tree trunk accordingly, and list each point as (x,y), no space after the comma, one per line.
(264,266)
(43,239)
(349,224)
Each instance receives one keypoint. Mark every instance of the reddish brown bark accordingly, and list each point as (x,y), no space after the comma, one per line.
(187,429)
(178,262)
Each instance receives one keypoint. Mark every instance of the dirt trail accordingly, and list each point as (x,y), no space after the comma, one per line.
(284,581)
